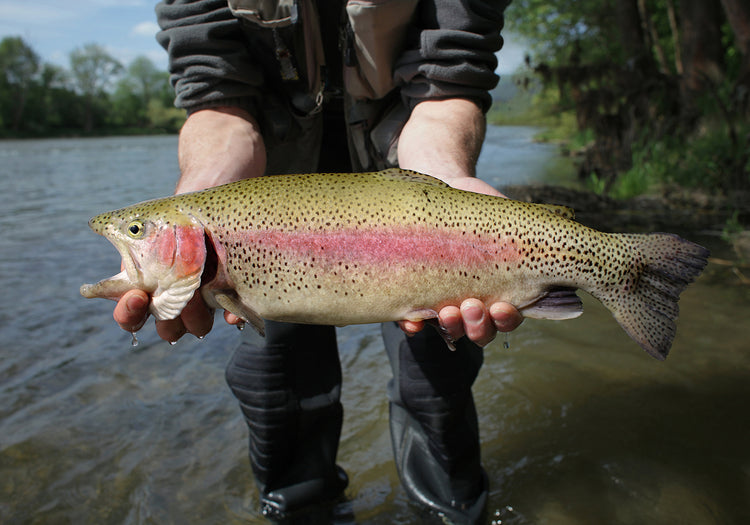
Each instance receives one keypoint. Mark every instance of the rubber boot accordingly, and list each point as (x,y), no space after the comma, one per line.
(434,427)
(289,390)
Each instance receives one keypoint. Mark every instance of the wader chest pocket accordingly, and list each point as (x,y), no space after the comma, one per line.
(265,13)
(377,33)
(286,36)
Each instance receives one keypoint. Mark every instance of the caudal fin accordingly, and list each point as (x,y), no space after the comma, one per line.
(648,309)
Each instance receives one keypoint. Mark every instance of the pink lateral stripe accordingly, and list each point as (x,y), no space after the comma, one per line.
(385,247)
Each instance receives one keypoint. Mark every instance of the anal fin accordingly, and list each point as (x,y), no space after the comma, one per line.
(557,304)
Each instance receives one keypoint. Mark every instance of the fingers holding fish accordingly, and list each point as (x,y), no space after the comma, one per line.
(171,330)
(479,322)
(131,310)
(131,313)
(505,316)
(196,319)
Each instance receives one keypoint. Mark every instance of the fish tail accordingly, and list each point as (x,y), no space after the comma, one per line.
(664,264)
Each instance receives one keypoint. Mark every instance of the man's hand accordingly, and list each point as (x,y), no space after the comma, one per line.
(474,320)
(131,314)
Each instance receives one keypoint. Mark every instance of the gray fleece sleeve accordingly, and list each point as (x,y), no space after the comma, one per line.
(450,51)
(209,62)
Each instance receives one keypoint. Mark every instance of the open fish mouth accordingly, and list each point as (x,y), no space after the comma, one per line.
(131,275)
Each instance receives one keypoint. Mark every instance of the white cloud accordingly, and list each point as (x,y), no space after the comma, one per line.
(18,17)
(147,28)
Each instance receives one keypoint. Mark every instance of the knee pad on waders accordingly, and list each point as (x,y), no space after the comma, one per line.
(433,421)
(289,388)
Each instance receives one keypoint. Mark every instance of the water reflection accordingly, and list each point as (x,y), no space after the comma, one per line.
(511,156)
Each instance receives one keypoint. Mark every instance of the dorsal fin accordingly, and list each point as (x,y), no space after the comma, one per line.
(410,176)
(563,211)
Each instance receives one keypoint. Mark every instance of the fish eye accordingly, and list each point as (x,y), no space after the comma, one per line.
(136,229)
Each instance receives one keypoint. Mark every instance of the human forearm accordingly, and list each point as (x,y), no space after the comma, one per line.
(443,138)
(218,146)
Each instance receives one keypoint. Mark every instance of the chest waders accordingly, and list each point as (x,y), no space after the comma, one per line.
(289,386)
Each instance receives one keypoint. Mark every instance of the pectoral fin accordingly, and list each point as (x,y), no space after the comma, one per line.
(229,301)
(169,303)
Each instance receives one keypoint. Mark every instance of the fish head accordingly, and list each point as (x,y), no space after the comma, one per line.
(163,252)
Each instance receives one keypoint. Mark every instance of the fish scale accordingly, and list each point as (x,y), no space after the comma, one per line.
(358,248)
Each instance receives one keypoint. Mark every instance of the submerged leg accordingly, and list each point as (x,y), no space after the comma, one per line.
(434,428)
(289,390)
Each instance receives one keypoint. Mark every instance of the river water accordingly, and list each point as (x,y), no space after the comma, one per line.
(579,426)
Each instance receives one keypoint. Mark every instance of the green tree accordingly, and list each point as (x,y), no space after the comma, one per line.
(638,71)
(19,65)
(138,92)
(148,80)
(59,107)
(94,70)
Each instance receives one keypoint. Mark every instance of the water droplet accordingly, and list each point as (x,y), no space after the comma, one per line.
(241,326)
(172,343)
(506,343)
(134,341)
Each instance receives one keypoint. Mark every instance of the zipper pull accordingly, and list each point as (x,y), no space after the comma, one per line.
(284,57)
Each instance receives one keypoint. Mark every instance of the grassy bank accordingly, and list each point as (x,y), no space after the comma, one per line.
(715,158)
(702,180)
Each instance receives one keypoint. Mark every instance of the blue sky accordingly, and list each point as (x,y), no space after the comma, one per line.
(54,28)
(125,28)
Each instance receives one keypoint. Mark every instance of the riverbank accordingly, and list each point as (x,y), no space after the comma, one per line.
(697,185)
(76,133)
(672,208)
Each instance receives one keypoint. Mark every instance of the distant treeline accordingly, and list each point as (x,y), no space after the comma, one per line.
(95,95)
(659,89)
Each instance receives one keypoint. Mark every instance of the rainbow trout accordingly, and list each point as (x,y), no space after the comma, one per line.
(347,248)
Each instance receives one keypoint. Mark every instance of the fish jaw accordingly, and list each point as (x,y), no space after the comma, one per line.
(162,254)
(131,277)
(112,288)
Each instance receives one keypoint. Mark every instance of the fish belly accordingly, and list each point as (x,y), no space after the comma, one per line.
(352,277)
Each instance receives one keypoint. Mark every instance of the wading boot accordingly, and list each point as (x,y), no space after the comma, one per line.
(289,389)
(434,427)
